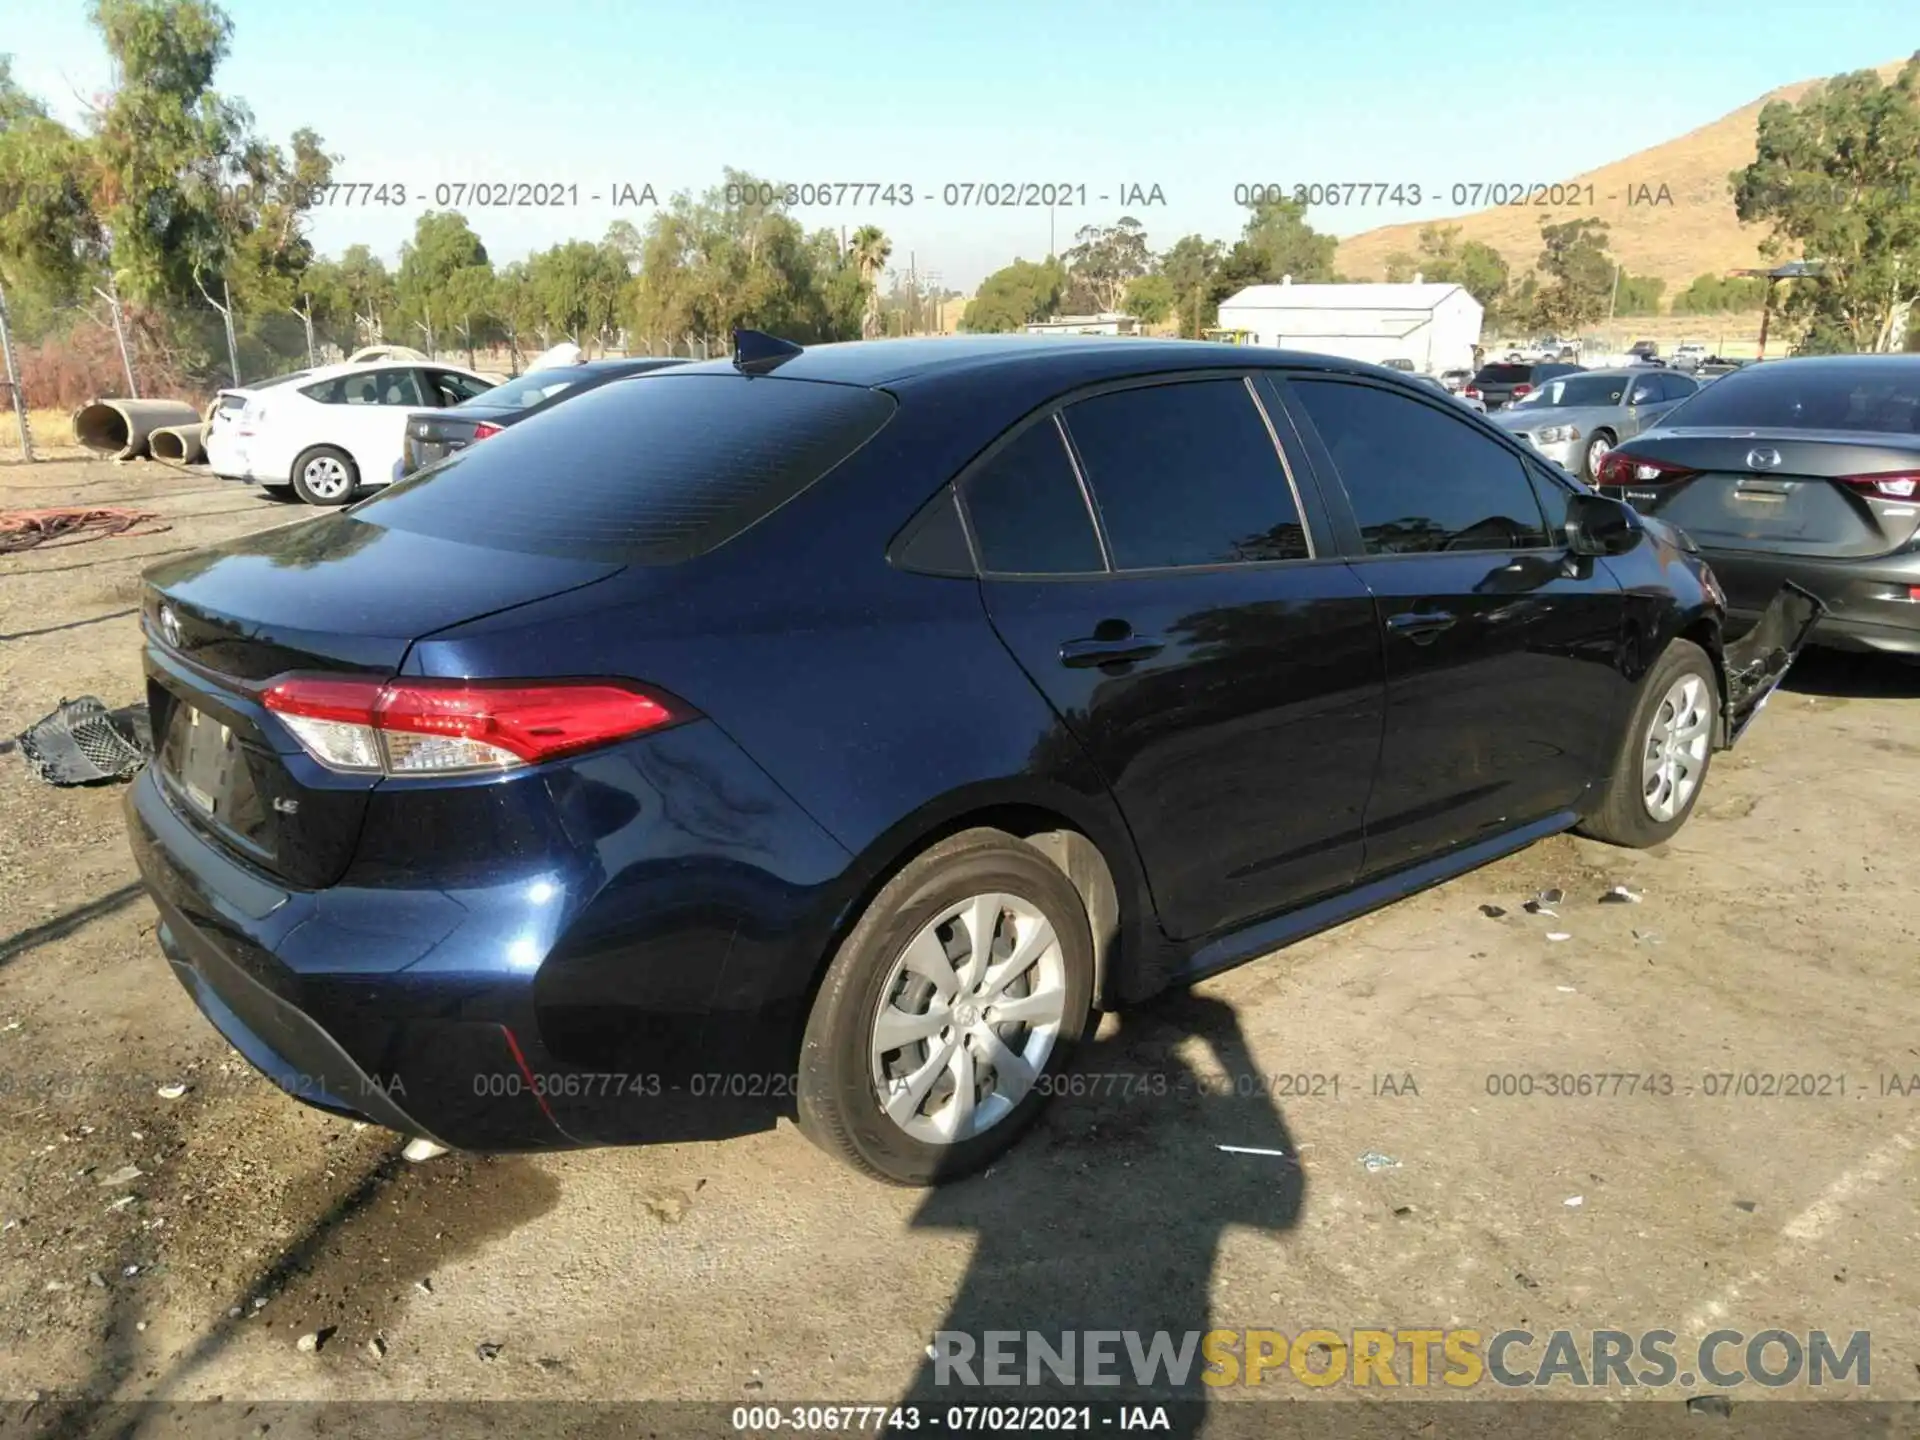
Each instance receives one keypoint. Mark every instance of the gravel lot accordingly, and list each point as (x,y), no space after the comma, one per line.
(1777,935)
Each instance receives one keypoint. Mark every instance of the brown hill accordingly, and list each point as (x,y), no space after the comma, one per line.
(1696,234)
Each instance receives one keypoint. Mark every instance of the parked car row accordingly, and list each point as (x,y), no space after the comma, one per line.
(330,434)
(834,730)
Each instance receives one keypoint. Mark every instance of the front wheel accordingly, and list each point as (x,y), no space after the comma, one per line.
(948,1012)
(325,475)
(1664,756)
(1597,450)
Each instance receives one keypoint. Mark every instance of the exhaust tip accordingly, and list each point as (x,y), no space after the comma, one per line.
(419,1149)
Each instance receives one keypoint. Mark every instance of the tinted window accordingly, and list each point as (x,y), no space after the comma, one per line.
(1814,396)
(1677,387)
(1575,390)
(530,389)
(454,388)
(1186,475)
(639,474)
(1503,374)
(1552,494)
(396,386)
(1645,391)
(1029,516)
(1420,479)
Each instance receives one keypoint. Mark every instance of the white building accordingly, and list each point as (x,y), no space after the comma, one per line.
(1434,326)
(1107,323)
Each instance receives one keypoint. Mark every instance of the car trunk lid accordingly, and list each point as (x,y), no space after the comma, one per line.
(1832,494)
(335,594)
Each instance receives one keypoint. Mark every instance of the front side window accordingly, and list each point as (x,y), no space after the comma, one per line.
(1186,474)
(1420,480)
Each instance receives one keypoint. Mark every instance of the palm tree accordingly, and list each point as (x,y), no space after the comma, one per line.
(869,250)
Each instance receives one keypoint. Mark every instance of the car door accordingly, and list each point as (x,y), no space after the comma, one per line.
(1155,569)
(1645,401)
(1503,698)
(382,427)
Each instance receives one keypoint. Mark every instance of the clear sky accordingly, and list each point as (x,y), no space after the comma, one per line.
(1193,97)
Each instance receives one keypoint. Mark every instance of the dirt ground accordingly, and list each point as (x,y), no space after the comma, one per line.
(1777,935)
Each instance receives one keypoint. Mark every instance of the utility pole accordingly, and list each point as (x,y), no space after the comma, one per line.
(112,296)
(13,383)
(1614,298)
(306,319)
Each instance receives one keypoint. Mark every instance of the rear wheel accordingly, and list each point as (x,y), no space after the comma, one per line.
(1664,756)
(325,475)
(957,997)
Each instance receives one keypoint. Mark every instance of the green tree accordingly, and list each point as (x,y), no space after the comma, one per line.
(1103,261)
(578,288)
(1016,295)
(714,264)
(1579,274)
(51,242)
(1150,298)
(1718,294)
(1639,295)
(1836,178)
(1188,267)
(1476,267)
(1278,241)
(443,244)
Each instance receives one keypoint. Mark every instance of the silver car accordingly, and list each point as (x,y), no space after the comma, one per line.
(1575,420)
(1472,402)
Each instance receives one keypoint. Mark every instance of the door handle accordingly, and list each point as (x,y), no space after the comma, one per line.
(1420,626)
(1082,654)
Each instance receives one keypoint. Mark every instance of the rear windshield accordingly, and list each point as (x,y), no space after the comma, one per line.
(1810,397)
(639,474)
(529,390)
(1503,374)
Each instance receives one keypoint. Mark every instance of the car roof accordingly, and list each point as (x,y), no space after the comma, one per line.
(1072,359)
(370,367)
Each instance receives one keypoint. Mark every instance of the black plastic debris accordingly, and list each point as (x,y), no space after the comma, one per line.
(1717,1405)
(1551,897)
(82,742)
(1747,1205)
(1620,895)
(1492,912)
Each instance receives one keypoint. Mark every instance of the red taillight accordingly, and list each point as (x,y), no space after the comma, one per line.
(1473,391)
(439,727)
(1893,485)
(1618,469)
(1520,390)
(483,429)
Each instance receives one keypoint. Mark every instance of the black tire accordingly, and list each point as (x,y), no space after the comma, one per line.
(331,458)
(838,1100)
(1622,817)
(1586,457)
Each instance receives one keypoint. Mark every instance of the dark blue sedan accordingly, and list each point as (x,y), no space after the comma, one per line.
(832,731)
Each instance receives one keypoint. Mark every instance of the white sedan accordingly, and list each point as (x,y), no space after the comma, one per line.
(333,431)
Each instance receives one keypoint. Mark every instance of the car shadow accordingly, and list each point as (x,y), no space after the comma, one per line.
(1851,675)
(1109,1216)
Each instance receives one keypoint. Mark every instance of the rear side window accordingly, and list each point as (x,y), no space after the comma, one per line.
(1503,374)
(1186,474)
(639,474)
(1029,515)
(1421,480)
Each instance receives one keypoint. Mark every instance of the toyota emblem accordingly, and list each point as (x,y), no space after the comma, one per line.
(1763,459)
(170,626)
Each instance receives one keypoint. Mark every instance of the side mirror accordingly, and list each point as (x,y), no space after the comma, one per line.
(1597,525)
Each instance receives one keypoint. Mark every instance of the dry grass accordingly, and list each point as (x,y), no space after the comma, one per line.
(1697,234)
(52,433)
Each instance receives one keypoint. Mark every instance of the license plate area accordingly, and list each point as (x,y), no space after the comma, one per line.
(209,771)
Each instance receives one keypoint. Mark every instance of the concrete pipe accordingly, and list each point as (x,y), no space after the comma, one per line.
(179,443)
(120,428)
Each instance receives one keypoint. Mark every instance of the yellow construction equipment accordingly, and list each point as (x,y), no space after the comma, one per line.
(1228,337)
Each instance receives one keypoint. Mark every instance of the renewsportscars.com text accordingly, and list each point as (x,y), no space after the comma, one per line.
(1409,1358)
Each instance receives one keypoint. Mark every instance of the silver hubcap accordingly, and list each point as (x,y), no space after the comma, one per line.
(1676,750)
(325,477)
(1596,452)
(968,1018)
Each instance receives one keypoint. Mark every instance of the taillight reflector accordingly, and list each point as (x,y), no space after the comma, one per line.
(1618,469)
(483,428)
(440,727)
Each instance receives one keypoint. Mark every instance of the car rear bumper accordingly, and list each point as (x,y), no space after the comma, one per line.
(559,999)
(1867,600)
